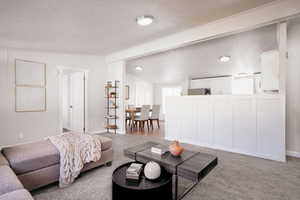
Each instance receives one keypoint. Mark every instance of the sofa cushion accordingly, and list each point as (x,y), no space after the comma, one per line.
(32,156)
(106,143)
(3,160)
(37,155)
(8,180)
(17,195)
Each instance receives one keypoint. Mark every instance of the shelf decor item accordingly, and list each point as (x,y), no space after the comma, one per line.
(111,93)
(152,170)
(176,149)
(109,85)
(111,126)
(159,149)
(134,171)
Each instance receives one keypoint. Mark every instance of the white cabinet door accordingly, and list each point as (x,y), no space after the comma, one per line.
(222,134)
(188,122)
(204,121)
(253,125)
(173,118)
(270,125)
(270,70)
(244,125)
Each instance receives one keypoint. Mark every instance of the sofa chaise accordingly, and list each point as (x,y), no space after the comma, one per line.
(30,166)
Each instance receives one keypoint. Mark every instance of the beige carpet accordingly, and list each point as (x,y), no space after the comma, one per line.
(237,177)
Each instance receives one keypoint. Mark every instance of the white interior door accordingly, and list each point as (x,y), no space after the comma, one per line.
(77,101)
(66,103)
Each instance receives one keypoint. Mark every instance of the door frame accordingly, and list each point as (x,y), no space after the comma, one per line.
(61,70)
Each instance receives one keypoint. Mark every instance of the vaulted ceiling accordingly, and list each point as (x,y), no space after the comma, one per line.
(104,26)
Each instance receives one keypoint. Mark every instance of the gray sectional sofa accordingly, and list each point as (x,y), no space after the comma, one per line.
(10,186)
(30,166)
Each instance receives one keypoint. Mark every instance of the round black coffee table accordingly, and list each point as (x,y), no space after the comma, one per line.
(144,189)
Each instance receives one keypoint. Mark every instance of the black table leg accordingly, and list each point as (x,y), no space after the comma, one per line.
(175,186)
(177,196)
(192,185)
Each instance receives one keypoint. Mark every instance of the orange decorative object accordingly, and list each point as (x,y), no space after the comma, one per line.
(176,149)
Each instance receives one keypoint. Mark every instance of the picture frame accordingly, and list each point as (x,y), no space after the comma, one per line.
(30,99)
(30,86)
(127,92)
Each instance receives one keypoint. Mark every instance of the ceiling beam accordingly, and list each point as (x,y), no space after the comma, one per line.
(267,14)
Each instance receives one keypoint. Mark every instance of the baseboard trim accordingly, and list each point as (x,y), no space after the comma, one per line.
(295,154)
(105,131)
(121,132)
(97,132)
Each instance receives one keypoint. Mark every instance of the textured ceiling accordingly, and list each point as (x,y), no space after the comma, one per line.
(103,26)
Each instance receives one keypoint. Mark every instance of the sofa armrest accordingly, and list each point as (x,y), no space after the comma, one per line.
(17,195)
(3,160)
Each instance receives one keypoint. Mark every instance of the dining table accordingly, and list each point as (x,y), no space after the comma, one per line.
(132,112)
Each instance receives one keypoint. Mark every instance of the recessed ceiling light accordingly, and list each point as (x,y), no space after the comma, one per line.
(144,20)
(138,68)
(224,58)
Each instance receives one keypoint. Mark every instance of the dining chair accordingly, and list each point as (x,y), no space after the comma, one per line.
(128,115)
(155,115)
(144,117)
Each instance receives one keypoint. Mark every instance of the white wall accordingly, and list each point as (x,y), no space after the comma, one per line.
(202,59)
(130,81)
(293,87)
(37,125)
(141,92)
(218,85)
(116,71)
(158,95)
(228,85)
(157,99)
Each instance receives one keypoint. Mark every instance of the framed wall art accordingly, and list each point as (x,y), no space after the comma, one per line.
(30,86)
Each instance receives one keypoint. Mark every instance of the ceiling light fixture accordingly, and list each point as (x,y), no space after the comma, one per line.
(144,20)
(224,58)
(138,68)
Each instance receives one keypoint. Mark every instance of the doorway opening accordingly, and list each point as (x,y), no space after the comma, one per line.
(73,100)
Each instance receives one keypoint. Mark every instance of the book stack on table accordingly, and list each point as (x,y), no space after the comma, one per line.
(159,149)
(133,172)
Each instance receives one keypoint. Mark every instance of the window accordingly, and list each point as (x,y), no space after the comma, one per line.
(166,92)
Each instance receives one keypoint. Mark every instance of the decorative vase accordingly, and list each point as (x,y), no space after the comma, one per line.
(176,149)
(152,170)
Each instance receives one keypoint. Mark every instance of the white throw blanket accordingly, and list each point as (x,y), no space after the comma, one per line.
(76,149)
